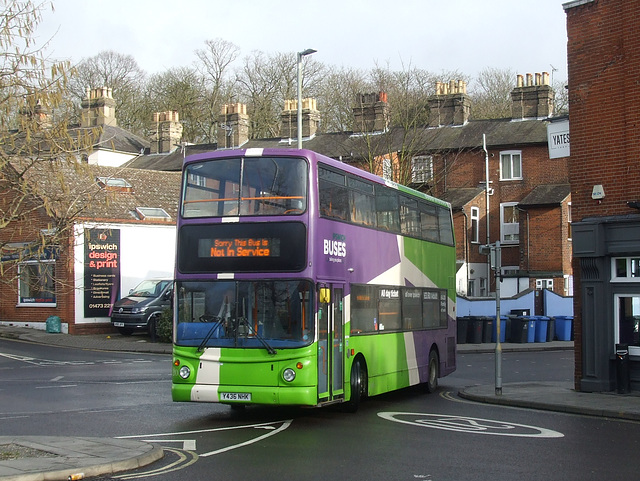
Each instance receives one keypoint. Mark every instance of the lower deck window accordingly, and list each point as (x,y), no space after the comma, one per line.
(389,308)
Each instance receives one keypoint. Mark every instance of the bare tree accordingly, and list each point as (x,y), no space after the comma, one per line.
(266,81)
(561,99)
(34,141)
(215,61)
(336,94)
(180,89)
(260,87)
(491,93)
(122,74)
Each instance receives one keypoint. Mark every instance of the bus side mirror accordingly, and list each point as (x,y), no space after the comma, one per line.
(325,295)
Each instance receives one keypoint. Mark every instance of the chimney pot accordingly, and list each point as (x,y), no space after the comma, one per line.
(529,80)
(545,78)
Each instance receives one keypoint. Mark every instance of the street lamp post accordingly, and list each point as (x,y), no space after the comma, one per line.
(304,53)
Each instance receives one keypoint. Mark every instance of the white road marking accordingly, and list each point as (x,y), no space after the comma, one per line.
(464,424)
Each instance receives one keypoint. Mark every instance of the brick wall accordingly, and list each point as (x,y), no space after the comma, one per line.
(27,231)
(545,246)
(467,169)
(604,101)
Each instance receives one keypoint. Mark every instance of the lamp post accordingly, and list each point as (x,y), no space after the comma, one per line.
(304,53)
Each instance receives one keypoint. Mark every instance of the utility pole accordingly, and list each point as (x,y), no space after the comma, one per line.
(494,253)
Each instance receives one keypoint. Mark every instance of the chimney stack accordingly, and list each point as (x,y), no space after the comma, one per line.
(371,113)
(533,99)
(289,119)
(167,134)
(233,126)
(34,116)
(450,105)
(98,108)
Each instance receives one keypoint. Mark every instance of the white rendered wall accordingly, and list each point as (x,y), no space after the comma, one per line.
(109,158)
(146,251)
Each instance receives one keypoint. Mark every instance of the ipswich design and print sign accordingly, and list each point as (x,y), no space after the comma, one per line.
(101,271)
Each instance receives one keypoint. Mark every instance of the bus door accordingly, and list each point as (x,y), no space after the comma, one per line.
(330,342)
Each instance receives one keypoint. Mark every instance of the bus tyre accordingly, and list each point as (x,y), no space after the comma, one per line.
(434,363)
(358,386)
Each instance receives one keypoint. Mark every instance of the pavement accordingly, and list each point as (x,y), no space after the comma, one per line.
(67,458)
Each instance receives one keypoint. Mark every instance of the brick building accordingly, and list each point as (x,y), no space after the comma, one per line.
(125,222)
(604,97)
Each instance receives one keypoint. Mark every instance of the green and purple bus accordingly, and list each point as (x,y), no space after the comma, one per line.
(301,280)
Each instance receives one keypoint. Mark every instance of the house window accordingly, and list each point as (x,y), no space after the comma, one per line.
(421,169)
(511,165)
(152,213)
(569,220)
(509,223)
(475,224)
(114,184)
(387,171)
(36,284)
(544,284)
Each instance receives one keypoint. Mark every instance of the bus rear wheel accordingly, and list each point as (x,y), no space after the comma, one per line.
(434,364)
(359,386)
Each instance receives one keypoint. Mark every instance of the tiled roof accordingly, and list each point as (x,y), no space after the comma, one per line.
(73,187)
(550,194)
(111,137)
(458,197)
(351,147)
(171,161)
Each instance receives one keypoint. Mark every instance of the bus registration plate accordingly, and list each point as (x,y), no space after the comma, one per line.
(235,396)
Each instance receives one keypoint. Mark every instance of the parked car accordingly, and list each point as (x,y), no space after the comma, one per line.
(141,309)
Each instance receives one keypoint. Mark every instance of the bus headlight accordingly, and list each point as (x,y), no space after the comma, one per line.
(184,372)
(289,374)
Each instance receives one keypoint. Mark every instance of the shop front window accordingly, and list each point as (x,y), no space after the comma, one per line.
(628,322)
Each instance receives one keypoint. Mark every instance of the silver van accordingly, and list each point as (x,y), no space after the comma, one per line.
(140,310)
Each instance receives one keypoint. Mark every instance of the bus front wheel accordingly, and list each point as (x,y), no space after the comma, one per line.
(434,364)
(358,386)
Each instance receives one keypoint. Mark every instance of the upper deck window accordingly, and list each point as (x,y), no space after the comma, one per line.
(245,187)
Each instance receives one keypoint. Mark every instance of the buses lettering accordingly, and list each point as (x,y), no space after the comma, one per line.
(335,248)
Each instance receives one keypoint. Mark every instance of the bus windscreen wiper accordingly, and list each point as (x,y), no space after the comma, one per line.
(217,324)
(262,340)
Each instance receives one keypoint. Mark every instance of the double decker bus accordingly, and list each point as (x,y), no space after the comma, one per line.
(301,280)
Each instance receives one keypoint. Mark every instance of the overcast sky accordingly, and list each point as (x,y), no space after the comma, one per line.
(435,35)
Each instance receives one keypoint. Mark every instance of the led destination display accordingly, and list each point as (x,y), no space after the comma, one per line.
(239,247)
(246,247)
